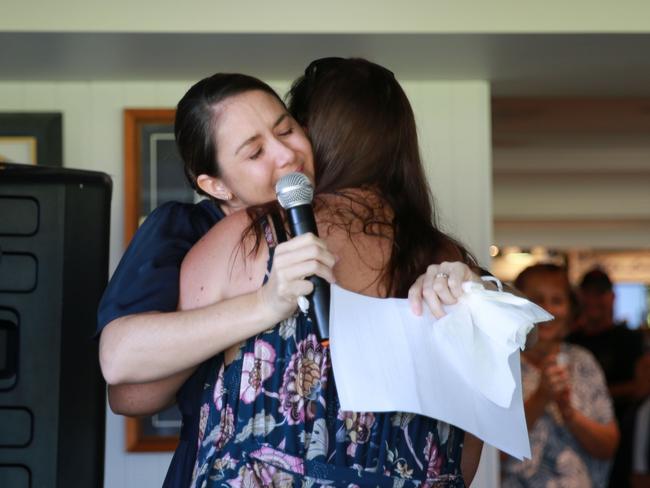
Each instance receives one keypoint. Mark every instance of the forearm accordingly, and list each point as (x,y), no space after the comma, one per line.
(534,408)
(472,447)
(149,347)
(599,440)
(146,398)
(625,390)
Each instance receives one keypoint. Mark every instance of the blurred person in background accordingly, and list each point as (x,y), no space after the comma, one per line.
(573,433)
(632,464)
(616,347)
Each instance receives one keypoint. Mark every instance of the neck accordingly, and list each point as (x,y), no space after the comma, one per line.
(227,209)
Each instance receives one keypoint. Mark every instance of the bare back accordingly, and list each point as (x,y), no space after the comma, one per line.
(363,253)
(221,266)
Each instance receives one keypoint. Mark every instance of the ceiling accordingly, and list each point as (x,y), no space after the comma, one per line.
(515,64)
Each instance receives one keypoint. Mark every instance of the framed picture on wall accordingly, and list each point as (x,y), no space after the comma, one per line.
(153,171)
(153,175)
(157,432)
(31,138)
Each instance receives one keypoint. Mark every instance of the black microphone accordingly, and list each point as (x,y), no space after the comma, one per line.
(295,193)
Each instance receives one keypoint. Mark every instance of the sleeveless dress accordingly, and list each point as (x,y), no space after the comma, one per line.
(272,418)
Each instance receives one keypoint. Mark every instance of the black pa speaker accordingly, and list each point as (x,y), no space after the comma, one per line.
(54,241)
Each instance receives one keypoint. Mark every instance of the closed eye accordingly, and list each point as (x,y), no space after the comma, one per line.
(256,154)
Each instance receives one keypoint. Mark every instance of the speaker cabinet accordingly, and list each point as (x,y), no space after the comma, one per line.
(54,242)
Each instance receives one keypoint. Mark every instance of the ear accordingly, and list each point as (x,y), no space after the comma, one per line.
(214,186)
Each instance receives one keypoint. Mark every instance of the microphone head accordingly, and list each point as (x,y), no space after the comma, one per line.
(294,189)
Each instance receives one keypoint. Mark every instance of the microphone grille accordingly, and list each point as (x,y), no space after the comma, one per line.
(294,189)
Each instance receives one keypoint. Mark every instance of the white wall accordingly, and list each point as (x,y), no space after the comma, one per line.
(454,128)
(453,120)
(334,16)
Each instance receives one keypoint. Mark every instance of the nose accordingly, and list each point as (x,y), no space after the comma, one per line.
(284,155)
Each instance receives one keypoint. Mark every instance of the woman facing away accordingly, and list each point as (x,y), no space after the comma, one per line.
(269,412)
(573,433)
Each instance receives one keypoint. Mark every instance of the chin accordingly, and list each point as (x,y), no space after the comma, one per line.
(553,335)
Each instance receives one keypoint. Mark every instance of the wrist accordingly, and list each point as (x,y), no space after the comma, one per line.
(272,308)
(568,414)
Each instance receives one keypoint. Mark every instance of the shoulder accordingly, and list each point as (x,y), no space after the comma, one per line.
(171,230)
(583,356)
(146,278)
(228,232)
(222,263)
(580,354)
(585,363)
(202,211)
(357,226)
(178,221)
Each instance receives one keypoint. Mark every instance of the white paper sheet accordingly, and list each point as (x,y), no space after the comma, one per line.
(462,369)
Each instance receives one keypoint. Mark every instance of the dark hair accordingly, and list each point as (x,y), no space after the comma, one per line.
(596,281)
(363,134)
(542,268)
(196,117)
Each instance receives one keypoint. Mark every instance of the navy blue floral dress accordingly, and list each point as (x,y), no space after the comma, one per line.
(272,418)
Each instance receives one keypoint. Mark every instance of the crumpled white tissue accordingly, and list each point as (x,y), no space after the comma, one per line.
(462,369)
(500,322)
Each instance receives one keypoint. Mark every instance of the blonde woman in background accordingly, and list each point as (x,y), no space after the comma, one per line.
(573,433)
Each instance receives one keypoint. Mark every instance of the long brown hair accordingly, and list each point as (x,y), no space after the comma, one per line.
(364,135)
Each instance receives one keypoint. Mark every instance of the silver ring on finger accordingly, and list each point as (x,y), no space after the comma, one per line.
(444,276)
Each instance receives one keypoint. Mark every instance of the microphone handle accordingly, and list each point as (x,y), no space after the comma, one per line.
(301,220)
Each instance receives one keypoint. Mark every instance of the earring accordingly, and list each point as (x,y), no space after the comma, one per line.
(226,195)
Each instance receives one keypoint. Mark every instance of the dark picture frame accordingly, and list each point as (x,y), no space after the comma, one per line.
(41,131)
(153,170)
(153,174)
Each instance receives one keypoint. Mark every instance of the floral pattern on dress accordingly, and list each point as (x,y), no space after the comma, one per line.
(272,418)
(357,427)
(257,367)
(219,390)
(303,381)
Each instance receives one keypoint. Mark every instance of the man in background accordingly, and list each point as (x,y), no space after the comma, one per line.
(620,352)
(616,347)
